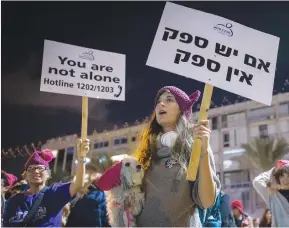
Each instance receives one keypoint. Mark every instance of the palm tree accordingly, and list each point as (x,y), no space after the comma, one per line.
(262,153)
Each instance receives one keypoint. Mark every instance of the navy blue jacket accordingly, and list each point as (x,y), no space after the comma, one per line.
(90,211)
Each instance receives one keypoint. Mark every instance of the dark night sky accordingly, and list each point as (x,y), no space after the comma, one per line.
(123,27)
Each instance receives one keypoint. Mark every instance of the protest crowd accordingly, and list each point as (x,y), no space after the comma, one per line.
(149,189)
(171,178)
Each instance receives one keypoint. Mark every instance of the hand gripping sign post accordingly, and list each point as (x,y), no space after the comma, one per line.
(74,70)
(218,52)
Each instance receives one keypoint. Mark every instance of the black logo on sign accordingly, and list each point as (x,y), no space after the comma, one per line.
(169,163)
(224,29)
(87,55)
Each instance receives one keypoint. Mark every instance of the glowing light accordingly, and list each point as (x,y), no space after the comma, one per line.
(227,164)
(55,152)
(117,158)
(87,160)
(234,151)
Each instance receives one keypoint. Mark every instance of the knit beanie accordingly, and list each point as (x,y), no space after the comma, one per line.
(281,163)
(184,101)
(9,178)
(40,158)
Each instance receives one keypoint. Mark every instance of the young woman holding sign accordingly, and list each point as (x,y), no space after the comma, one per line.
(40,205)
(164,152)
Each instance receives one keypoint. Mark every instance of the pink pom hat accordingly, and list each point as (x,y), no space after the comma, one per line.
(10,178)
(184,101)
(281,163)
(40,158)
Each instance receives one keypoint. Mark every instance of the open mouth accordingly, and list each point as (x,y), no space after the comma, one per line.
(36,177)
(162,112)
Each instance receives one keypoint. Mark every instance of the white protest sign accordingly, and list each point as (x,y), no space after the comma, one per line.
(74,70)
(217,51)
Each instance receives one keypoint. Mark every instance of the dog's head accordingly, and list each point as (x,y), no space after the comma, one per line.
(126,173)
(131,173)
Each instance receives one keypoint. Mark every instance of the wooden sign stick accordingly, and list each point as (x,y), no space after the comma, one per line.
(196,152)
(84,120)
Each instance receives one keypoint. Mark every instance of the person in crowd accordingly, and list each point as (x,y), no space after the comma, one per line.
(164,153)
(7,180)
(90,209)
(226,211)
(273,187)
(266,219)
(40,205)
(16,188)
(241,219)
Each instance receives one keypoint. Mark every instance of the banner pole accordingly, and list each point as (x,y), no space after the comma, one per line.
(84,118)
(196,151)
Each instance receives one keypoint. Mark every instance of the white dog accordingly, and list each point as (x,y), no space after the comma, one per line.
(125,201)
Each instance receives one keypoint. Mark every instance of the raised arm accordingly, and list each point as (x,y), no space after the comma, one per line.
(82,150)
(207,185)
(260,184)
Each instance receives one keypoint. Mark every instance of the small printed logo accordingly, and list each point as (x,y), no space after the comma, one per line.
(87,55)
(169,163)
(224,29)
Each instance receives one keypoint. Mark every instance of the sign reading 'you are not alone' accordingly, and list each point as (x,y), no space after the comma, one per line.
(216,51)
(74,70)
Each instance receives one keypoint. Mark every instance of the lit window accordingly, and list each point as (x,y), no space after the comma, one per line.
(263,131)
(224,121)
(226,139)
(123,140)
(96,146)
(215,123)
(116,142)
(105,144)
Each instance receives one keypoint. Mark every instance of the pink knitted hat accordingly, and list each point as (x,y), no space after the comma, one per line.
(10,178)
(40,158)
(281,163)
(110,178)
(184,101)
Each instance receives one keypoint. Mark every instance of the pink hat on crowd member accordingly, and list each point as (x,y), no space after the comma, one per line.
(237,204)
(10,178)
(281,163)
(184,101)
(110,178)
(40,158)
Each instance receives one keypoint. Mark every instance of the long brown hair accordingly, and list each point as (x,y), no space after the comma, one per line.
(147,141)
(263,221)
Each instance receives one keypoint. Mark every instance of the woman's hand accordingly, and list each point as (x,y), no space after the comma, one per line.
(82,148)
(201,131)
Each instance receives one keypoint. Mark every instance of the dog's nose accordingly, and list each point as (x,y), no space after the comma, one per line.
(138,167)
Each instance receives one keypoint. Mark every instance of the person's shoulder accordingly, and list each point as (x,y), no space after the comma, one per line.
(16,198)
(225,197)
(57,185)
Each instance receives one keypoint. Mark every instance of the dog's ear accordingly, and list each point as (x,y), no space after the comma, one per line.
(110,178)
